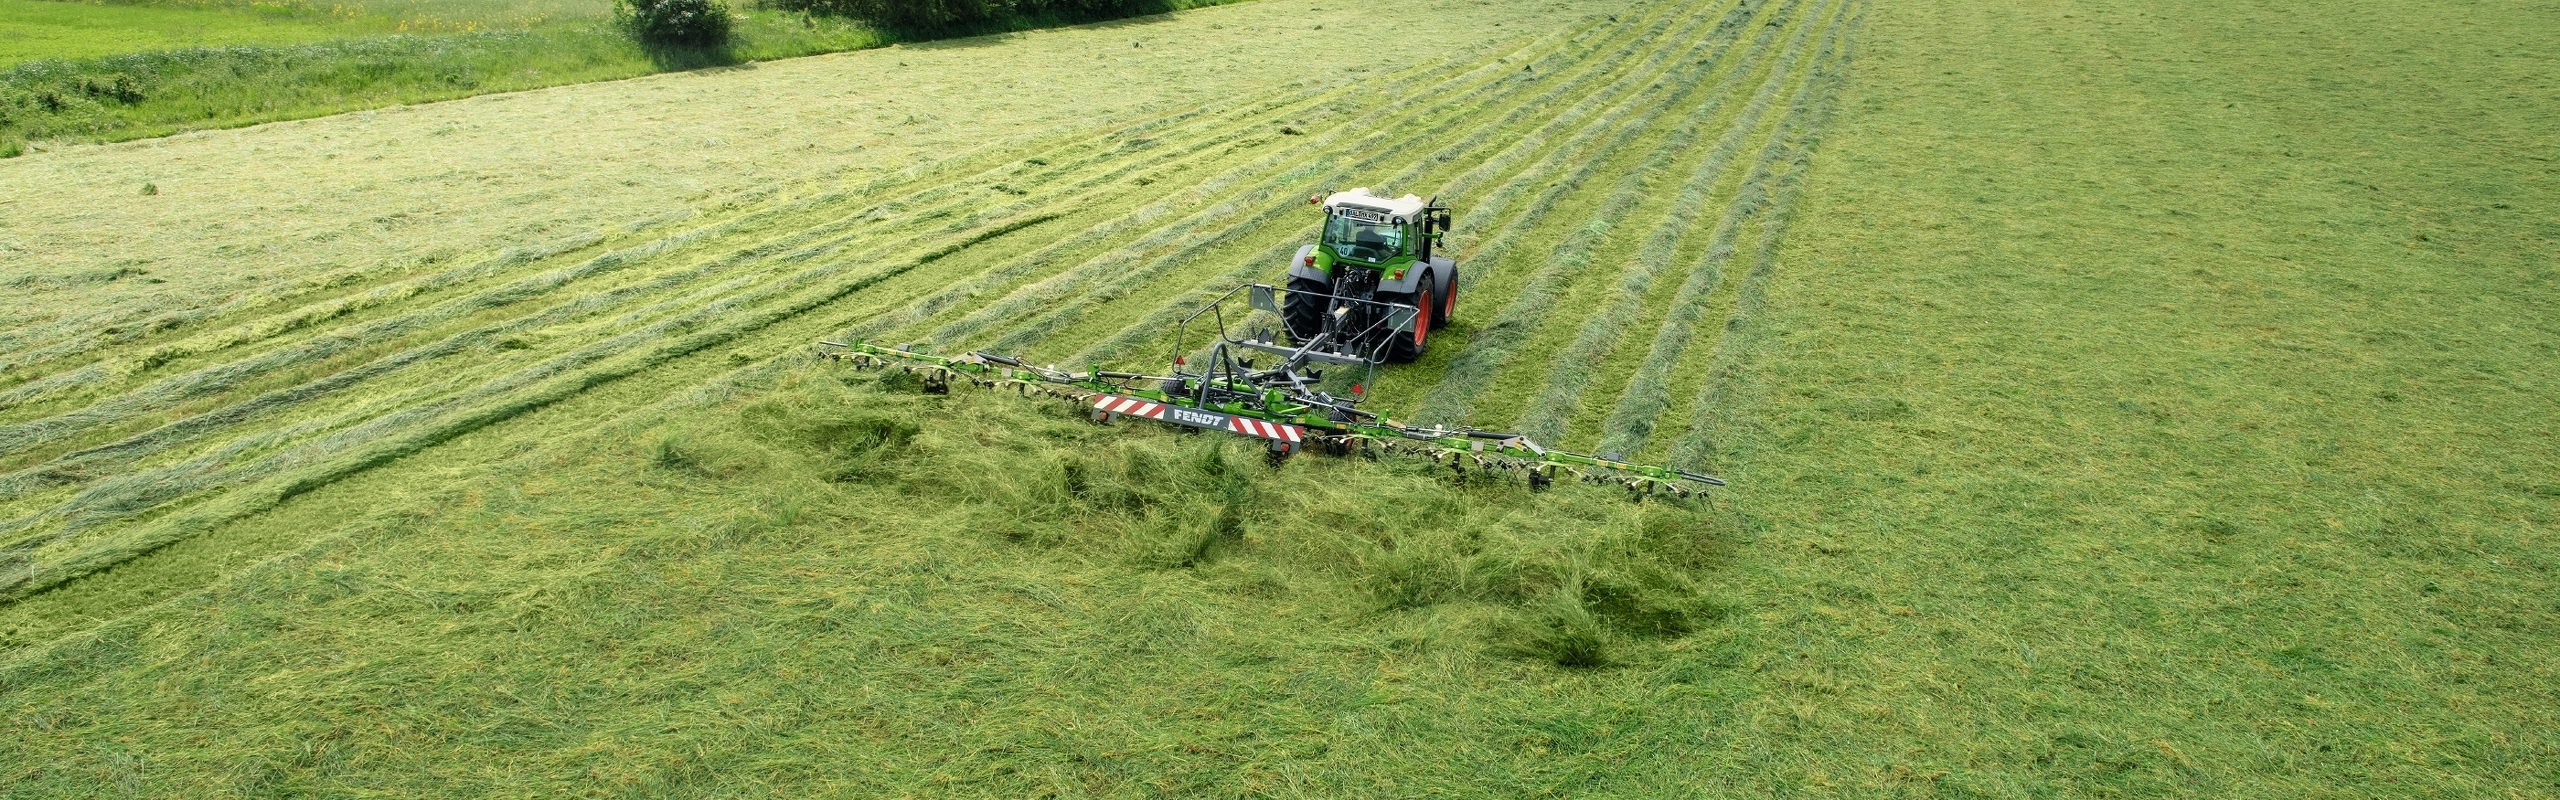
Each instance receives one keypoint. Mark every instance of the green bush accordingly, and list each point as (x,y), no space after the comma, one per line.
(693,22)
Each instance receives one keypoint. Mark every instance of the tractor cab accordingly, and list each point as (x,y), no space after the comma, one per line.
(1374,232)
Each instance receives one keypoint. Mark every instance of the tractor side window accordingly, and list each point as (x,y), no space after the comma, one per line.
(1362,240)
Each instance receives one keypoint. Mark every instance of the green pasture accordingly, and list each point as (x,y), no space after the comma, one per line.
(2121,400)
(40,29)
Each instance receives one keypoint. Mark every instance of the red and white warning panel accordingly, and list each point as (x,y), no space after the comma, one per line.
(1108,405)
(1128,406)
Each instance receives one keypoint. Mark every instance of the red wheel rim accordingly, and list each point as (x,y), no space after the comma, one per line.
(1422,320)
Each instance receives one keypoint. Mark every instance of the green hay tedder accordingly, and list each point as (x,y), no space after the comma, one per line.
(1370,291)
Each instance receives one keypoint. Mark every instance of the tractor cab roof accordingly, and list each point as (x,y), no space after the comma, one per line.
(1372,208)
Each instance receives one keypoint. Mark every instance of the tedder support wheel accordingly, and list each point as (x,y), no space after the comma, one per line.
(1408,348)
(1302,309)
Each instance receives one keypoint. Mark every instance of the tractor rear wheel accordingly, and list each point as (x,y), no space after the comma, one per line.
(1448,301)
(1408,347)
(1302,309)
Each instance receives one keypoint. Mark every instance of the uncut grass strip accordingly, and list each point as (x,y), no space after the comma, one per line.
(1492,345)
(554,380)
(1119,274)
(1631,422)
(1570,370)
(926,307)
(1742,338)
(1156,323)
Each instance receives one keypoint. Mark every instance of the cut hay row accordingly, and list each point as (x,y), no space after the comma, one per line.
(992,278)
(299,454)
(41,559)
(119,498)
(132,493)
(1484,209)
(1139,271)
(1290,179)
(1570,370)
(1632,420)
(1157,323)
(96,501)
(1063,158)
(1742,338)
(84,376)
(1491,346)
(123,328)
(187,387)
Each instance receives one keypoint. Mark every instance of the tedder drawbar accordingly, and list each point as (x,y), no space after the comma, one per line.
(1369,291)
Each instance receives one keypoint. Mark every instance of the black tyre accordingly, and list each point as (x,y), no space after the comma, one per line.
(1449,301)
(1302,309)
(1409,347)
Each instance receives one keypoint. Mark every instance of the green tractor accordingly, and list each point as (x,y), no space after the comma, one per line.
(1369,291)
(1373,261)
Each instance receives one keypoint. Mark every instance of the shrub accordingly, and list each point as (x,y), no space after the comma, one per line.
(693,22)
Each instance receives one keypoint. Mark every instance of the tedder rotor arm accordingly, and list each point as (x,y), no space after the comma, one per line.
(1275,406)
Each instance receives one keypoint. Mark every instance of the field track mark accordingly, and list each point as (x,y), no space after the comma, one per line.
(1571,368)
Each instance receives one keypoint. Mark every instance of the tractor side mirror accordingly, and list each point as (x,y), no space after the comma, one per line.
(1261,298)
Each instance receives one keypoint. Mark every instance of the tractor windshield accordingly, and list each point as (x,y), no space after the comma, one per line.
(1365,241)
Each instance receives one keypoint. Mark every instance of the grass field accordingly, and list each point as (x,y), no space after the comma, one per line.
(2131,400)
(50,29)
(75,73)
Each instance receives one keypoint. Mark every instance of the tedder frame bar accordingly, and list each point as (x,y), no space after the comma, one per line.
(1286,421)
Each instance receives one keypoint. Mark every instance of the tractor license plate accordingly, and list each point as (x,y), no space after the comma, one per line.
(1247,426)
